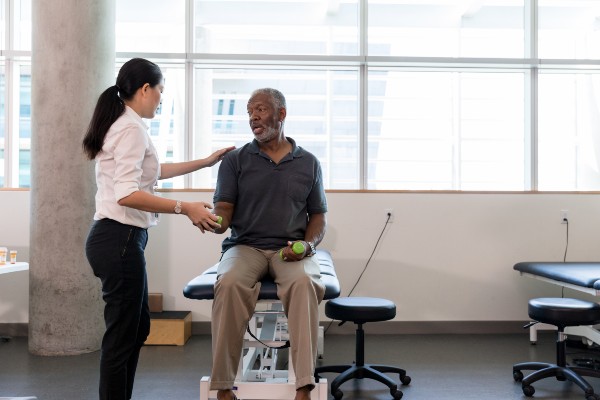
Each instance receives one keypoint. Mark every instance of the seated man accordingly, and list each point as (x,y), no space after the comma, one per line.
(270,193)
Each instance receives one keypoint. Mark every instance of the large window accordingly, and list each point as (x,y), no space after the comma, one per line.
(15,93)
(445,130)
(482,95)
(446,28)
(569,131)
(322,114)
(301,27)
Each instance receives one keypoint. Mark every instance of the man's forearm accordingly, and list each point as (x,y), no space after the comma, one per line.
(315,230)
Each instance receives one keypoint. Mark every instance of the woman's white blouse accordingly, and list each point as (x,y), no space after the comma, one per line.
(128,162)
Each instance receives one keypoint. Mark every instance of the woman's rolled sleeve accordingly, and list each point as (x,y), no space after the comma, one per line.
(129,155)
(124,189)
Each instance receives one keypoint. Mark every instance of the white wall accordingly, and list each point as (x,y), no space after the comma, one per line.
(446,256)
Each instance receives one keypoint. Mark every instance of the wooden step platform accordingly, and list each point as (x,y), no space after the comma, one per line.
(170,328)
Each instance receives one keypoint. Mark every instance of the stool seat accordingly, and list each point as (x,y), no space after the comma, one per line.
(561,312)
(564,312)
(360,309)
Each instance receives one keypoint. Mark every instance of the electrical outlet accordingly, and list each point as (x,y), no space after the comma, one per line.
(389,211)
(564,216)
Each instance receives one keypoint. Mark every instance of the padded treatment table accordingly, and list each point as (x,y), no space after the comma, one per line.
(202,287)
(581,276)
(266,382)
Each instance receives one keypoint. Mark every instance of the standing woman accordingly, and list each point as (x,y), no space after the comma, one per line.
(127,169)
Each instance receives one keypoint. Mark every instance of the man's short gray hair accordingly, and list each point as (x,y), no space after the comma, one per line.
(276,95)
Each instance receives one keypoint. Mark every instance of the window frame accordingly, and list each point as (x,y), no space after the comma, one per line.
(530,64)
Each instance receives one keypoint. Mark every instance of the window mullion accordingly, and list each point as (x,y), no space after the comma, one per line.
(9,133)
(363,96)
(531,96)
(188,139)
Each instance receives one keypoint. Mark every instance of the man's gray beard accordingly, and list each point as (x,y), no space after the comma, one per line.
(267,135)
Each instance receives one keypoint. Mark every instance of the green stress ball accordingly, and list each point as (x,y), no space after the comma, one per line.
(219,219)
(297,247)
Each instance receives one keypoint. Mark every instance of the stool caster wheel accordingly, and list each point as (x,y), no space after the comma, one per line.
(396,394)
(338,394)
(517,376)
(405,379)
(528,390)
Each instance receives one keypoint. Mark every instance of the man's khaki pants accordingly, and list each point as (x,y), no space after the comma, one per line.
(299,288)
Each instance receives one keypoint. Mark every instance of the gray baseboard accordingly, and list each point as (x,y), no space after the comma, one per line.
(408,327)
(376,328)
(429,327)
(16,329)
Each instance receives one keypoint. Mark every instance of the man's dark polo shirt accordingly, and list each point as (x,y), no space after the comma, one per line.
(271,201)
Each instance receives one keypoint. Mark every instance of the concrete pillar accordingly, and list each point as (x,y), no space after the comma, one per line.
(73,61)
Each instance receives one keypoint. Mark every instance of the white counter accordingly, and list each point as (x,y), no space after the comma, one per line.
(19,266)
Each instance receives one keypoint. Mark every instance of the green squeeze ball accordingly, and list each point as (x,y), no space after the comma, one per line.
(219,219)
(297,247)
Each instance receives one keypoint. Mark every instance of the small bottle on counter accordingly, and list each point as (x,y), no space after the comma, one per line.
(3,251)
(13,256)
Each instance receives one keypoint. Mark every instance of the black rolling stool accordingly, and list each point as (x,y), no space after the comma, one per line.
(360,310)
(560,312)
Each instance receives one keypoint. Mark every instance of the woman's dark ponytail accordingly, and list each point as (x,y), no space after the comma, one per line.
(134,74)
(108,108)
